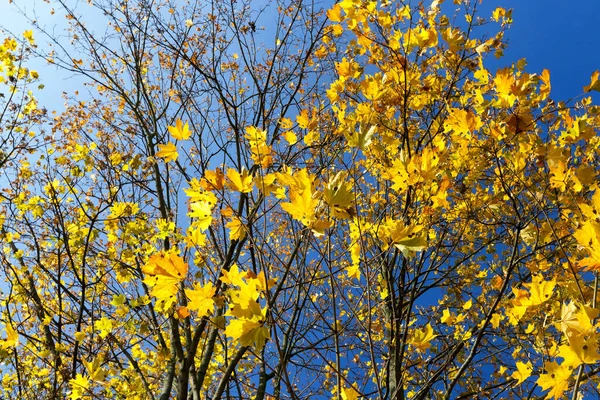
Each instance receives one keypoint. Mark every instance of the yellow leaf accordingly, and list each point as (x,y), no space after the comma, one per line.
(79,387)
(195,237)
(165,271)
(79,336)
(248,332)
(504,83)
(95,370)
(545,87)
(539,291)
(261,280)
(168,152)
(496,318)
(202,211)
(353,271)
(556,379)
(240,182)
(118,300)
(361,139)
(574,320)
(462,121)
(104,325)
(303,119)
(407,239)
(29,36)
(422,337)
(201,299)
(559,175)
(237,230)
(582,349)
(497,13)
(234,276)
(447,317)
(12,338)
(255,136)
(468,305)
(335,13)
(180,131)
(301,207)
(285,123)
(523,371)
(339,197)
(290,137)
(588,236)
(350,393)
(594,84)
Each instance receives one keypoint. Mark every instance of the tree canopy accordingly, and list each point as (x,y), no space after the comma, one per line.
(294,200)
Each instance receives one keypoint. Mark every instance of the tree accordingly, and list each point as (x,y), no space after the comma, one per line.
(294,202)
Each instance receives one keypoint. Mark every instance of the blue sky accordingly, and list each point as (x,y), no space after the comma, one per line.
(561,36)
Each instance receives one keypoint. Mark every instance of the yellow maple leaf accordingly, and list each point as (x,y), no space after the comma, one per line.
(350,393)
(302,205)
(447,317)
(398,174)
(104,325)
(497,13)
(213,180)
(255,136)
(523,371)
(576,320)
(339,197)
(79,336)
(248,332)
(588,236)
(28,34)
(559,175)
(303,119)
(286,123)
(545,87)
(12,338)
(195,236)
(504,83)
(361,138)
(237,229)
(539,291)
(335,13)
(202,211)
(180,131)
(196,192)
(165,271)
(556,378)
(582,349)
(79,386)
(290,137)
(234,276)
(462,121)
(201,299)
(594,83)
(468,304)
(240,182)
(168,152)
(95,370)
(422,337)
(406,238)
(353,271)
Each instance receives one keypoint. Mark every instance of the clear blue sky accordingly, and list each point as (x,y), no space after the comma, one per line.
(562,36)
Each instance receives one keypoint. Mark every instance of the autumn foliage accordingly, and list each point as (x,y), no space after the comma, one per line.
(289,201)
